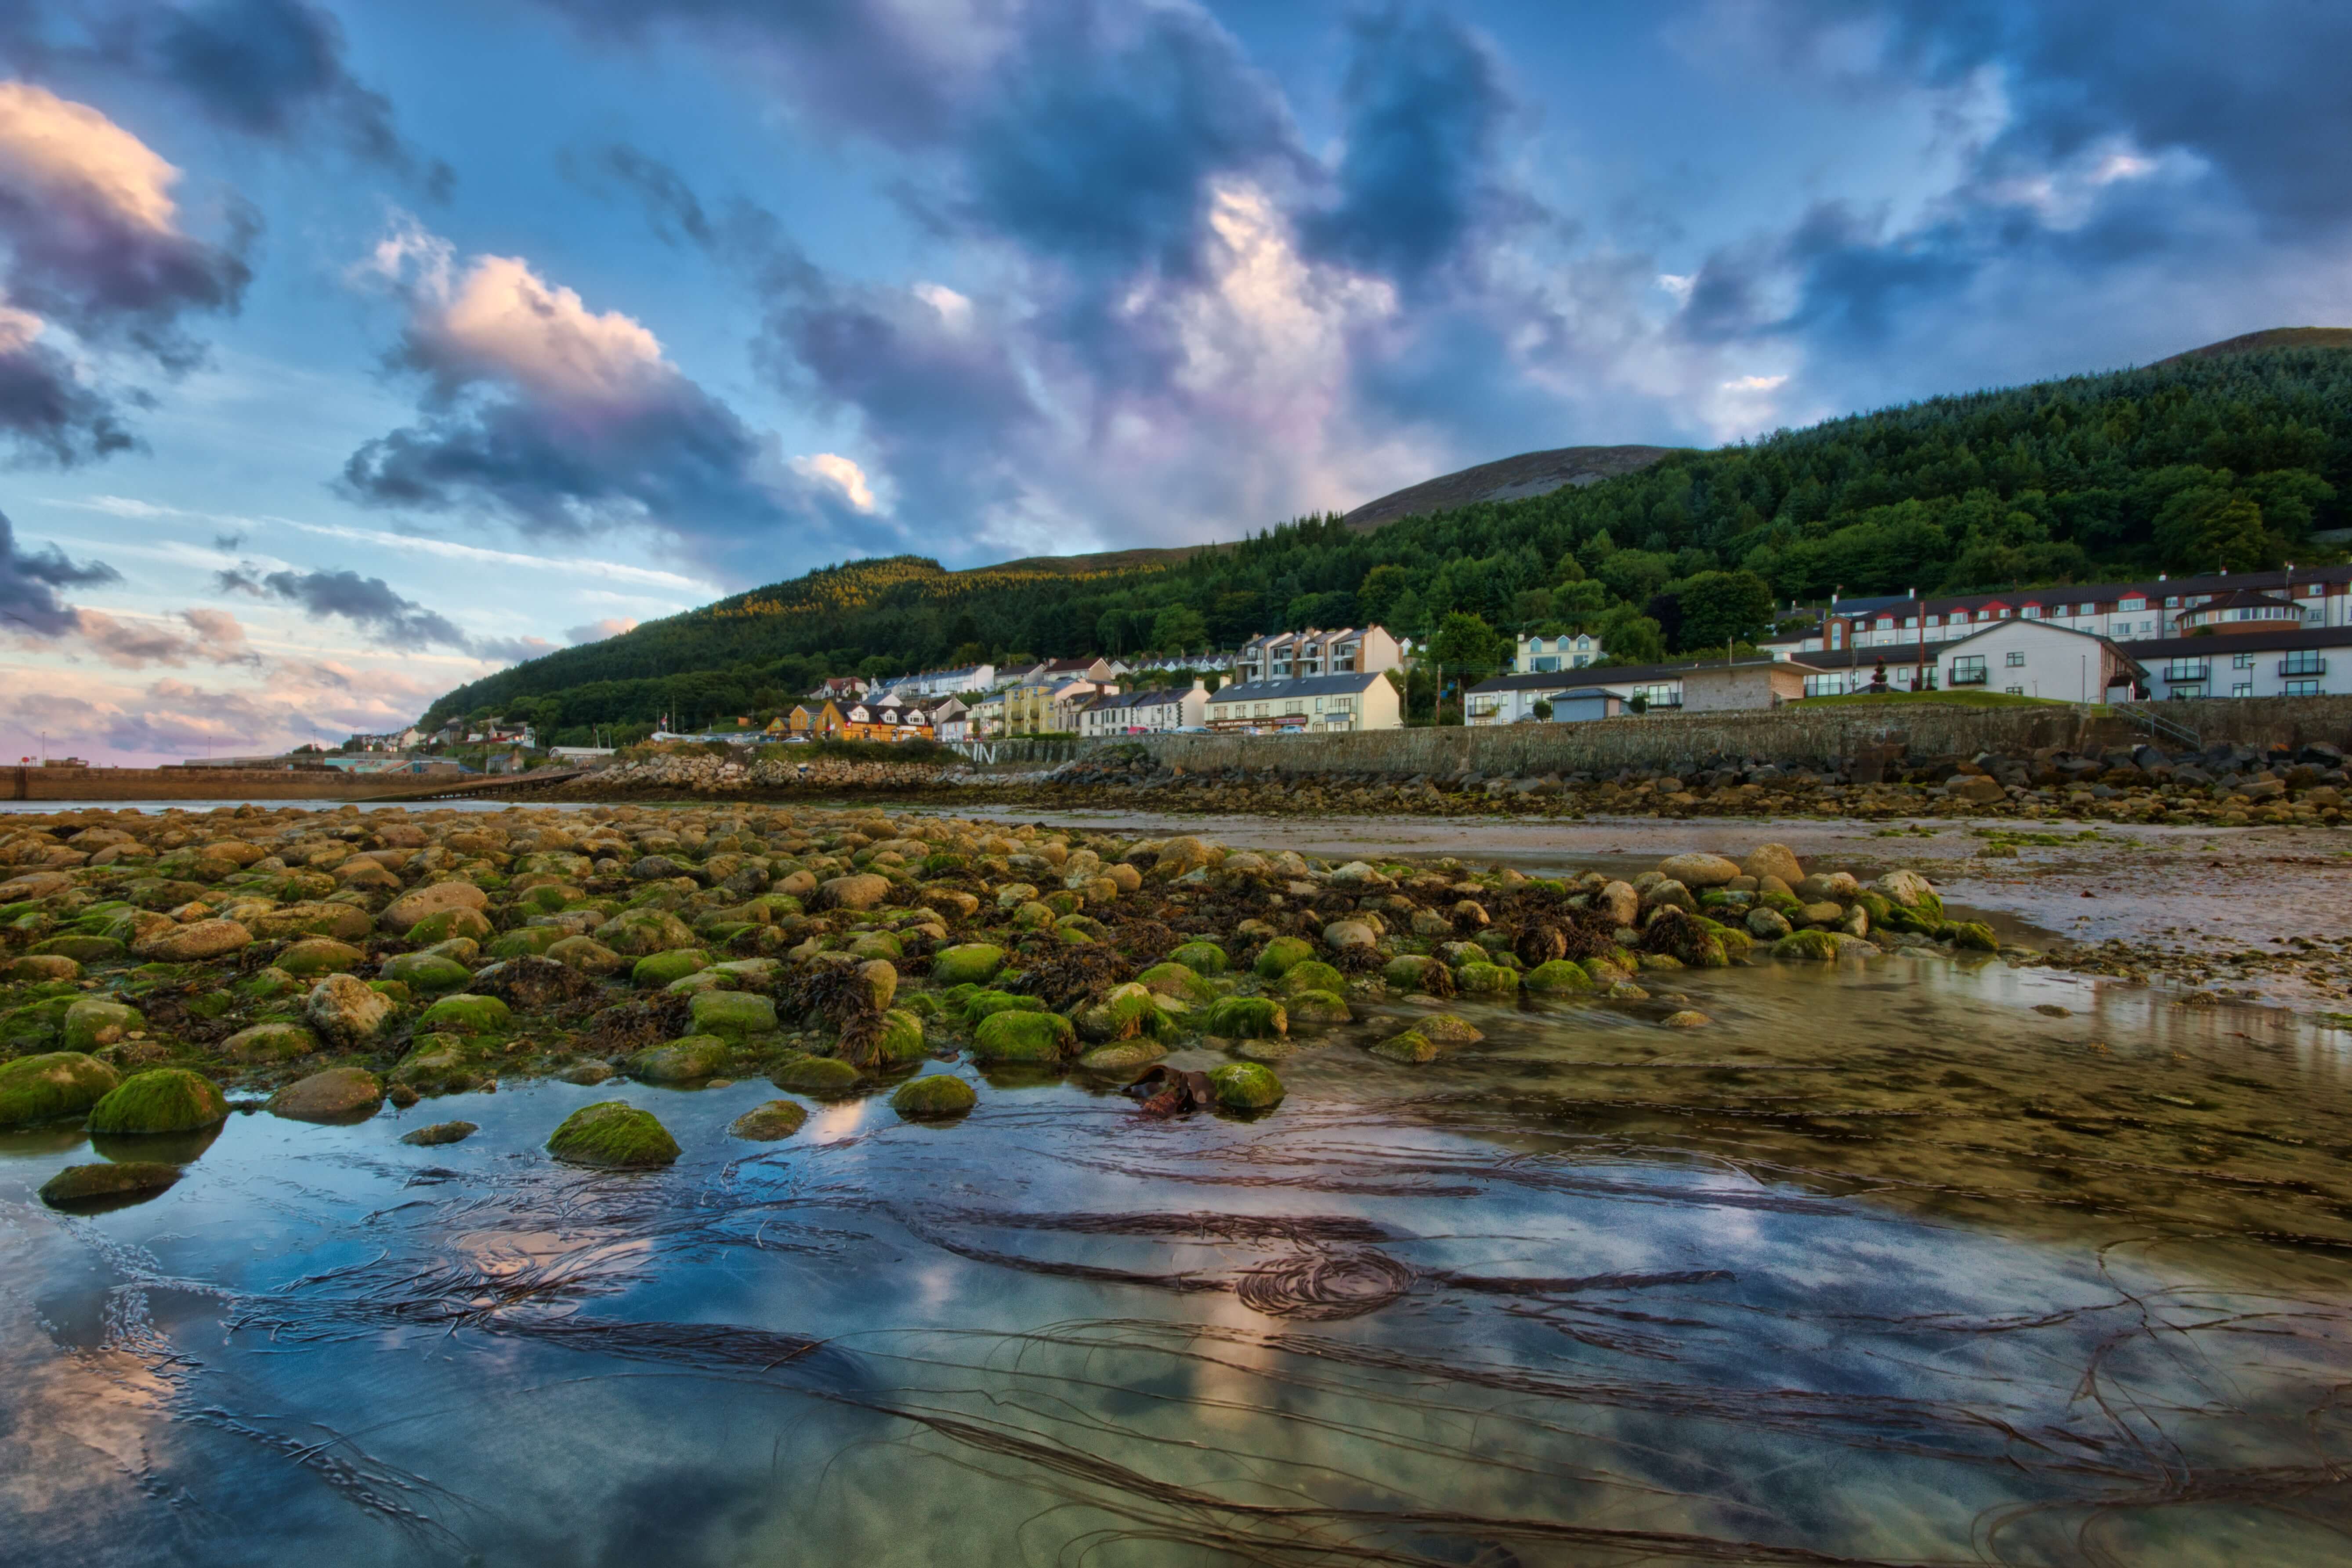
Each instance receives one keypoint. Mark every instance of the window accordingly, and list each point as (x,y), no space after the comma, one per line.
(2242,661)
(1546,664)
(2299,688)
(2016,658)
(1969,670)
(2014,690)
(2242,689)
(2305,661)
(1825,685)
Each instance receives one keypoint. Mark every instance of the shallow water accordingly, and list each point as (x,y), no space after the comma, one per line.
(1883,1264)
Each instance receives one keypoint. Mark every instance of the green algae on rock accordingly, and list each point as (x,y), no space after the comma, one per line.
(694,1057)
(1202,958)
(733,1013)
(1281,954)
(656,970)
(1023,1037)
(1245,1086)
(465,1014)
(615,1135)
(163,1099)
(1245,1018)
(54,1085)
(814,1075)
(442,1064)
(766,1123)
(93,1022)
(934,1097)
(440,1132)
(338,1094)
(972,961)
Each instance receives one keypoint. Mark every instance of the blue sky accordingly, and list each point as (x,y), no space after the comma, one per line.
(347,353)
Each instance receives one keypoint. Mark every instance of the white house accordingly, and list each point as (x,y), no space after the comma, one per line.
(2026,658)
(2252,660)
(1324,704)
(1153,712)
(1512,698)
(1542,654)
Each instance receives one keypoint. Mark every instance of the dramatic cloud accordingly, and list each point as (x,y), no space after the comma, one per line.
(367,603)
(93,245)
(29,580)
(562,419)
(205,635)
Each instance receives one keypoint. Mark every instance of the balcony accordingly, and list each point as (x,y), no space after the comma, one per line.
(2302,664)
(1967,675)
(2183,670)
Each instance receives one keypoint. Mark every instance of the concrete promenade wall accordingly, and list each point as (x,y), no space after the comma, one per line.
(1788,735)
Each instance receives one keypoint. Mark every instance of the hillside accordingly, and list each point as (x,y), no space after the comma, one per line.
(1522,477)
(2211,459)
(2274,338)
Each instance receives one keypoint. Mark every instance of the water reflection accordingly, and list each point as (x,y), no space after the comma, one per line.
(1883,1265)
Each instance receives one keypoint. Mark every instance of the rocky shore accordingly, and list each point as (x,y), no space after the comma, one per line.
(155,965)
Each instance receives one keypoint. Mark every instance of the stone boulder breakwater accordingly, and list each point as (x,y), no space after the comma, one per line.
(335,958)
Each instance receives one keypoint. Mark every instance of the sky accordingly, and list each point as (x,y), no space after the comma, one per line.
(349,353)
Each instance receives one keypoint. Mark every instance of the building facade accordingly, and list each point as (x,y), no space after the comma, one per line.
(1544,656)
(1322,704)
(1745,685)
(1295,656)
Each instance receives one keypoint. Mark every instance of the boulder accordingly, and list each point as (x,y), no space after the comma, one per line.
(1687,1019)
(465,1014)
(338,1094)
(688,1060)
(902,1040)
(91,1023)
(1316,1007)
(1411,1049)
(440,1132)
(1202,958)
(1023,1037)
(1313,975)
(1620,902)
(415,906)
(585,954)
(82,949)
(1125,1056)
(862,890)
(344,922)
(656,970)
(1973,936)
(165,1100)
(613,1135)
(1696,870)
(443,1064)
(768,1122)
(1279,955)
(973,962)
(266,1043)
(1245,1018)
(636,933)
(1910,891)
(814,1075)
(1768,925)
(1974,789)
(51,1086)
(1773,860)
(1340,935)
(108,1183)
(1556,977)
(1486,980)
(321,956)
(934,1097)
(194,942)
(1245,1086)
(429,972)
(881,977)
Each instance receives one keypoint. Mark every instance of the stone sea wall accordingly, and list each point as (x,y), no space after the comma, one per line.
(192,784)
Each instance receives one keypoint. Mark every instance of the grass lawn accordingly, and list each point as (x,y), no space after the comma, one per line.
(1948,699)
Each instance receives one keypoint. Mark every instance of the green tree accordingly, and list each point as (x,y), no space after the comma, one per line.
(1542,708)
(1724,606)
(2214,528)
(1468,647)
(1377,594)
(1179,628)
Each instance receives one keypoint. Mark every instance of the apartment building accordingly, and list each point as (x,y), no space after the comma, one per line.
(1157,711)
(1295,656)
(1321,704)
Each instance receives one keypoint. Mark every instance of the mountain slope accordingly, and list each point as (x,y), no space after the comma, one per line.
(2273,338)
(2236,459)
(1529,474)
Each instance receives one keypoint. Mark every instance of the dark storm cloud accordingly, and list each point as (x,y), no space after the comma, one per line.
(367,603)
(1425,106)
(50,414)
(29,580)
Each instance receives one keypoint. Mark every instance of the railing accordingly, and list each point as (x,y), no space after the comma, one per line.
(2186,670)
(2302,664)
(2157,726)
(1969,675)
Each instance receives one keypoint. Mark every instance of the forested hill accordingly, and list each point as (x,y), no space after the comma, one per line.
(2225,460)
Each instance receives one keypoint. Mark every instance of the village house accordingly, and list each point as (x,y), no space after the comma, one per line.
(841,688)
(1159,711)
(1512,698)
(984,720)
(1540,655)
(814,721)
(1322,704)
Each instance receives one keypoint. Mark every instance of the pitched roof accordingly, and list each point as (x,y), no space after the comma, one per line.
(1303,686)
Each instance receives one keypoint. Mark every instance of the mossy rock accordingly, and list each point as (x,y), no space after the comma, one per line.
(467,1015)
(1129,1012)
(1245,1018)
(439,1133)
(1314,974)
(164,1099)
(1316,1007)
(902,1038)
(656,970)
(1411,1047)
(529,941)
(54,1085)
(613,1135)
(766,1123)
(267,985)
(442,1064)
(1202,958)
(814,1075)
(640,932)
(688,1060)
(972,962)
(109,1184)
(1972,936)
(1557,977)
(1126,1056)
(1486,980)
(934,1096)
(427,974)
(732,1014)
(1410,970)
(266,1043)
(337,1095)
(1446,1029)
(1606,972)
(1245,1086)
(38,968)
(586,955)
(93,1022)
(981,1005)
(82,949)
(1266,1051)
(316,955)
(876,945)
(1814,946)
(1283,955)
(1177,982)
(442,925)
(1013,1035)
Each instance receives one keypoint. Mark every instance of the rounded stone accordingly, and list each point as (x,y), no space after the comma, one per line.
(103,1184)
(1245,1086)
(338,1094)
(440,1132)
(48,1087)
(814,1075)
(427,972)
(345,1011)
(613,1134)
(1023,1037)
(465,1014)
(165,1100)
(1698,871)
(973,962)
(695,1058)
(934,1097)
(194,942)
(862,890)
(1688,1018)
(415,906)
(768,1122)
(265,1043)
(92,1022)
(321,956)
